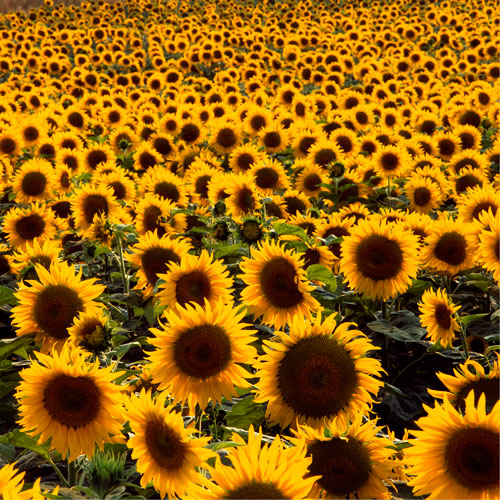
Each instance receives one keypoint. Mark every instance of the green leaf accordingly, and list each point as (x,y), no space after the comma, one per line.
(245,413)
(284,228)
(7,296)
(406,334)
(226,250)
(321,273)
(21,440)
(465,320)
(222,444)
(10,346)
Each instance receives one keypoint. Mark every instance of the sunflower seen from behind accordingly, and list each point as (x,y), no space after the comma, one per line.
(199,351)
(319,373)
(456,455)
(65,397)
(379,259)
(261,470)
(48,306)
(276,285)
(350,460)
(165,450)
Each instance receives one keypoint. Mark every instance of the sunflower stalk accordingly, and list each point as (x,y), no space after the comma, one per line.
(125,278)
(60,475)
(464,340)
(72,473)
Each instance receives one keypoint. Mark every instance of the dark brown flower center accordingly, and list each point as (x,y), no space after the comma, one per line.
(451,248)
(379,258)
(311,256)
(257,122)
(483,207)
(94,204)
(203,351)
(344,465)
(167,190)
(226,138)
(30,227)
(245,199)
(389,161)
(306,143)
(155,261)
(152,215)
(294,205)
(272,140)
(245,161)
(422,196)
(31,133)
(312,182)
(33,183)
(442,314)
(75,119)
(190,132)
(96,157)
(490,387)
(193,287)
(472,458)
(256,490)
(201,185)
(72,401)
(165,446)
(278,282)
(324,157)
(266,178)
(317,377)
(466,181)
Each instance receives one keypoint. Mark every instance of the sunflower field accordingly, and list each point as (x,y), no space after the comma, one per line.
(250,250)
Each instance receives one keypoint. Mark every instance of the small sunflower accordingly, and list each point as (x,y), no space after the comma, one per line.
(261,470)
(195,279)
(379,259)
(242,196)
(95,155)
(37,252)
(225,136)
(243,157)
(276,286)
(145,157)
(470,376)
(318,373)
(122,185)
(152,255)
(324,153)
(199,352)
(23,225)
(424,194)
(391,161)
(75,403)
(89,331)
(198,178)
(351,460)
(91,201)
(165,452)
(477,200)
(49,306)
(437,316)
(448,247)
(269,176)
(489,244)
(273,138)
(309,181)
(456,454)
(160,181)
(33,181)
(152,214)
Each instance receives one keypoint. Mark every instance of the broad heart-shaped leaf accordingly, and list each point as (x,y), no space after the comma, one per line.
(7,296)
(21,440)
(10,346)
(284,228)
(245,413)
(406,334)
(465,320)
(321,273)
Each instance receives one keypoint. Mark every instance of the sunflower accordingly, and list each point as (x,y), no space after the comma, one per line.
(152,255)
(488,254)
(334,225)
(379,259)
(191,131)
(277,288)
(123,139)
(199,352)
(418,223)
(163,448)
(308,222)
(31,130)
(309,179)
(36,252)
(11,142)
(456,454)
(242,196)
(162,143)
(160,181)
(93,155)
(391,161)
(303,138)
(295,202)
(33,181)
(476,201)
(324,153)
(424,194)
(49,306)
(89,331)
(273,138)
(145,157)
(467,178)
(437,316)
(199,176)
(470,376)
(23,225)
(448,247)
(469,136)
(153,214)
(261,470)
(122,185)
(448,145)
(316,254)
(72,401)
(351,460)
(269,176)
(11,484)
(469,158)
(225,136)
(243,157)
(91,201)
(256,119)
(195,279)
(318,373)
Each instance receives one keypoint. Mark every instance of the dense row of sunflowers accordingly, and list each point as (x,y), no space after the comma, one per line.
(250,250)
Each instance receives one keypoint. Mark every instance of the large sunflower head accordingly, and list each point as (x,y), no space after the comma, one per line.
(23,225)
(318,373)
(467,377)
(379,259)
(195,279)
(164,449)
(261,470)
(438,316)
(269,176)
(456,454)
(351,459)
(48,307)
(277,289)
(152,255)
(199,352)
(72,401)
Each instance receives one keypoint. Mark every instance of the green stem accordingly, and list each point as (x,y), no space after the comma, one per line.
(71,473)
(414,362)
(60,475)
(464,341)
(126,283)
(384,310)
